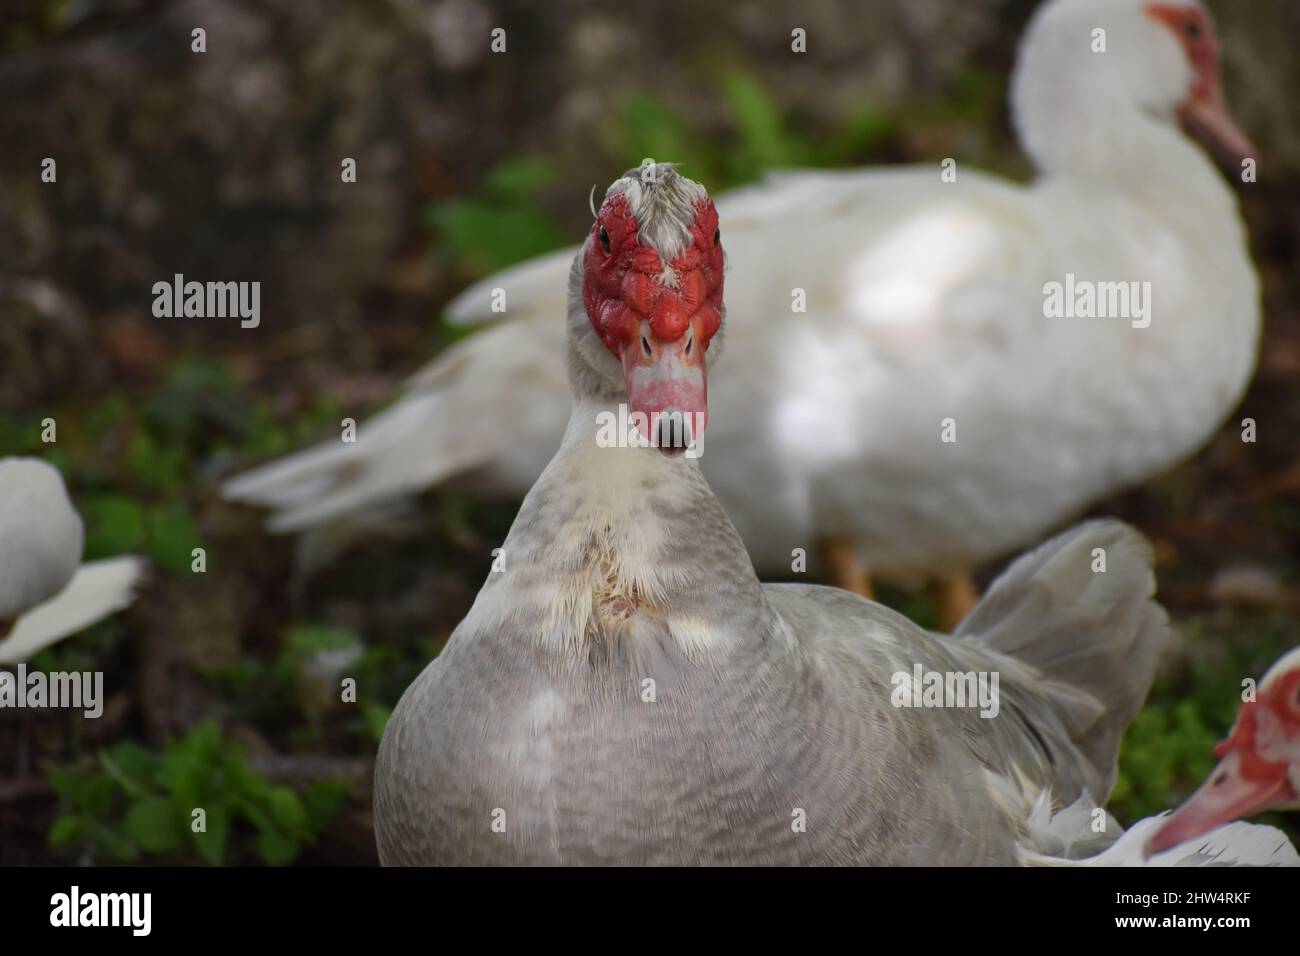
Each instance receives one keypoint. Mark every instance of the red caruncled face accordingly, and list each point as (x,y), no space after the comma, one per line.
(656,318)
(1254,771)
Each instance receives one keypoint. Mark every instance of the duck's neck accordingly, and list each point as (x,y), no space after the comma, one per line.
(1149,159)
(1076,118)
(616,545)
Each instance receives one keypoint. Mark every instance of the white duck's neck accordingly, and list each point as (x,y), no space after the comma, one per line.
(1078,116)
(619,543)
(1149,160)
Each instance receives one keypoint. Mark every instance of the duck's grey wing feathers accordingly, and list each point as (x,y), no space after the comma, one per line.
(1093,637)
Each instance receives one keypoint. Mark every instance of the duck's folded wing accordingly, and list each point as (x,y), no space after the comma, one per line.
(1078,617)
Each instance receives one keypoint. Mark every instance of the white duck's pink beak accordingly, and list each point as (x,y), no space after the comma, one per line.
(1209,120)
(1227,795)
(667,385)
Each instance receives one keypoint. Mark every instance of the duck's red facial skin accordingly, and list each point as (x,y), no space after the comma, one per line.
(1254,771)
(1205,112)
(1267,731)
(656,318)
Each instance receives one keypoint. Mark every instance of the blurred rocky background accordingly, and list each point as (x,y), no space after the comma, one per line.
(226,164)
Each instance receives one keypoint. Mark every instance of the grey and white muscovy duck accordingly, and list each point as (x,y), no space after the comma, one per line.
(624,690)
(925,301)
(46,593)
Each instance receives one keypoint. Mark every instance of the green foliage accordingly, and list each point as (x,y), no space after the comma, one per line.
(115,524)
(199,395)
(131,463)
(503,225)
(764,142)
(1168,746)
(171,537)
(649,130)
(119,524)
(299,682)
(864,130)
(142,803)
(975,96)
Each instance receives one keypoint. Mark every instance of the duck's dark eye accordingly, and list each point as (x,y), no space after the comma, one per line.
(717,235)
(1193,30)
(604,240)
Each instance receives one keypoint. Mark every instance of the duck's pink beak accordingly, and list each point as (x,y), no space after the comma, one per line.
(1207,118)
(1227,795)
(667,385)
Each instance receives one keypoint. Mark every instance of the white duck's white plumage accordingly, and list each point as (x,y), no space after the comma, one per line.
(46,593)
(1070,836)
(925,302)
(1234,844)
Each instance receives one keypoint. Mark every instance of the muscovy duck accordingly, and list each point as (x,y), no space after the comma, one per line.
(1083,835)
(925,304)
(624,690)
(46,593)
(1259,766)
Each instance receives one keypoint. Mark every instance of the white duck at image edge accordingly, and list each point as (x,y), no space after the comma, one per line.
(1070,837)
(925,303)
(46,593)
(1259,765)
(624,690)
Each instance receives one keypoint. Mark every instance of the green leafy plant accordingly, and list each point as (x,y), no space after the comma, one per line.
(144,803)
(503,224)
(649,130)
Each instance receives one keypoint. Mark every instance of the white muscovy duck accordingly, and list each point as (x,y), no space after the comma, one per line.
(625,690)
(46,593)
(1259,766)
(925,302)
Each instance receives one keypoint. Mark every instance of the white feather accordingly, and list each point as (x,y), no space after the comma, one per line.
(98,589)
(1235,844)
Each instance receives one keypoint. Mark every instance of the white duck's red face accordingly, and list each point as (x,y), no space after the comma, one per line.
(1259,766)
(1204,112)
(652,287)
